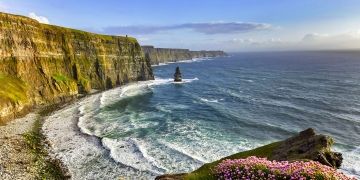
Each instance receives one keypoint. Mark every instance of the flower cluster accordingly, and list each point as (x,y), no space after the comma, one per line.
(261,168)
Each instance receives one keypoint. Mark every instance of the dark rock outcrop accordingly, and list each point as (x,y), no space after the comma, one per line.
(165,55)
(42,64)
(308,145)
(177,75)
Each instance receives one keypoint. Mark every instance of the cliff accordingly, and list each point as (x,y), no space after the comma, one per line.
(302,147)
(164,55)
(42,64)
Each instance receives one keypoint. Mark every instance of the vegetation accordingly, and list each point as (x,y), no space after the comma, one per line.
(46,168)
(61,78)
(205,171)
(12,89)
(261,168)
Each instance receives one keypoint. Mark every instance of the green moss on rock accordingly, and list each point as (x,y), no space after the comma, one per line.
(12,89)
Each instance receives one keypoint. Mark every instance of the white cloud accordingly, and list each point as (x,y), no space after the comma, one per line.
(41,19)
(332,41)
(251,41)
(204,28)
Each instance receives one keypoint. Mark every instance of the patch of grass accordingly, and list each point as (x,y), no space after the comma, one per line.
(12,89)
(46,167)
(205,171)
(61,78)
(64,82)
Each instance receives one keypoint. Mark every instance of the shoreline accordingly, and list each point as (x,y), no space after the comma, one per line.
(24,150)
(77,149)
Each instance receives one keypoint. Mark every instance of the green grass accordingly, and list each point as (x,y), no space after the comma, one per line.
(46,168)
(12,89)
(61,78)
(205,171)
(64,81)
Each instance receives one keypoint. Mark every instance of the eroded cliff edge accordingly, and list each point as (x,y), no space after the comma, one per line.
(42,64)
(165,55)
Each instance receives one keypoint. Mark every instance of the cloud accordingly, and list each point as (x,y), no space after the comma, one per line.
(251,41)
(332,41)
(204,28)
(41,19)
(314,37)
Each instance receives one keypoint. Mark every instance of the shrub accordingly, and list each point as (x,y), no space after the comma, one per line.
(261,168)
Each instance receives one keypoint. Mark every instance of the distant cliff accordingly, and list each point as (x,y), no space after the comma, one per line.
(42,64)
(164,55)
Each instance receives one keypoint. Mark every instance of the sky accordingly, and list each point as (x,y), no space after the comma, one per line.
(230,25)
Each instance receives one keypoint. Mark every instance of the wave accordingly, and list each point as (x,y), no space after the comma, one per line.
(184,61)
(184,152)
(160,81)
(160,64)
(131,153)
(211,100)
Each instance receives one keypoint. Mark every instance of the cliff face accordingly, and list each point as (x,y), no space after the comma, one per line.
(42,64)
(164,55)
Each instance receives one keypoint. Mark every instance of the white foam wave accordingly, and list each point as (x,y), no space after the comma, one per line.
(130,153)
(160,64)
(79,152)
(184,61)
(183,151)
(160,81)
(351,162)
(211,100)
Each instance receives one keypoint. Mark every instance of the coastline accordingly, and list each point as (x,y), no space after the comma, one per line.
(76,149)
(24,142)
(24,152)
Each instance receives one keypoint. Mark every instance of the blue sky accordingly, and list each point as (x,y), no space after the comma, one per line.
(231,25)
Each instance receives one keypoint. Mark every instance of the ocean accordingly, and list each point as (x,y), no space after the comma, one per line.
(224,105)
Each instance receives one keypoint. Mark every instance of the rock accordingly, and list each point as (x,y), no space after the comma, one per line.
(308,145)
(177,75)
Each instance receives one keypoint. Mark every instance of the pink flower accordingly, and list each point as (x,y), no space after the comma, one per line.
(261,168)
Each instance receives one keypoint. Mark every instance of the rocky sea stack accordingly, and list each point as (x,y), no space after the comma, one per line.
(305,146)
(177,75)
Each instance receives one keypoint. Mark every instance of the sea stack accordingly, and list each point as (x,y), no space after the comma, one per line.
(177,75)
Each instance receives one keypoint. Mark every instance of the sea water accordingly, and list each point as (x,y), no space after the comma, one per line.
(223,106)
